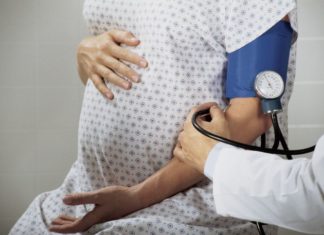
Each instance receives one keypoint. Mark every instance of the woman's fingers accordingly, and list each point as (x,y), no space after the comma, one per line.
(124,54)
(112,77)
(81,198)
(59,221)
(101,86)
(101,57)
(67,218)
(125,37)
(71,227)
(119,67)
(63,219)
(91,218)
(78,225)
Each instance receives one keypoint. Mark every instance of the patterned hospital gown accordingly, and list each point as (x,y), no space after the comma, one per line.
(122,142)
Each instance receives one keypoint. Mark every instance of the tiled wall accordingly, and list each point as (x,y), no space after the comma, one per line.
(41,95)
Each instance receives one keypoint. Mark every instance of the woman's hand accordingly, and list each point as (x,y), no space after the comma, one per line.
(101,58)
(193,147)
(110,203)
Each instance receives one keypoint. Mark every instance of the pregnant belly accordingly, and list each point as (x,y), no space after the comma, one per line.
(131,137)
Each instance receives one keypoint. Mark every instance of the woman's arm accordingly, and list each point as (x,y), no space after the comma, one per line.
(246,120)
(246,123)
(114,202)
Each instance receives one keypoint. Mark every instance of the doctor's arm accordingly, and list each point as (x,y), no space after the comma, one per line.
(257,186)
(262,187)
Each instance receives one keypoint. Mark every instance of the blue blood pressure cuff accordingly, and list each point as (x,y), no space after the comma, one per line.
(270,51)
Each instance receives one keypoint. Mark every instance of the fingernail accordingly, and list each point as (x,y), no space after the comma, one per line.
(135,78)
(133,39)
(126,85)
(143,63)
(109,96)
(67,199)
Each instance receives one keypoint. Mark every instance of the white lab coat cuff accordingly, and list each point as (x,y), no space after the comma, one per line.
(211,161)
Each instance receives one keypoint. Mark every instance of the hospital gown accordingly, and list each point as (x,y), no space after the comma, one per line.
(124,141)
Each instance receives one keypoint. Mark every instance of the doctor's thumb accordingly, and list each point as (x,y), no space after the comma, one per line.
(216,112)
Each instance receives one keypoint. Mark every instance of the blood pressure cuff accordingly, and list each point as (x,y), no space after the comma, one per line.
(270,51)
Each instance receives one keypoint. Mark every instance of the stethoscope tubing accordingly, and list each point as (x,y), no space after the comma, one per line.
(242,145)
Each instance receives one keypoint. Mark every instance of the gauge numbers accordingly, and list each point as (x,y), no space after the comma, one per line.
(269,85)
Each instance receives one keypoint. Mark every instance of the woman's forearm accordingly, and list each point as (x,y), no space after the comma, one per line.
(246,123)
(171,179)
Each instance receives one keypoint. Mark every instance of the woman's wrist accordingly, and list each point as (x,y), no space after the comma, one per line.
(144,194)
(132,202)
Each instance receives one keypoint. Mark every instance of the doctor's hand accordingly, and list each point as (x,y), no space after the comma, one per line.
(101,58)
(111,202)
(192,147)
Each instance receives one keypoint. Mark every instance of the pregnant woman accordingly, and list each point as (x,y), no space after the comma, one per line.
(128,181)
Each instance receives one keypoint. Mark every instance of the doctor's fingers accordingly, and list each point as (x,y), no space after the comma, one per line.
(197,108)
(181,140)
(216,113)
(188,126)
(219,124)
(177,152)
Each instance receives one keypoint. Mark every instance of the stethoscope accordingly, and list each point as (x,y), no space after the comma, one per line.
(269,86)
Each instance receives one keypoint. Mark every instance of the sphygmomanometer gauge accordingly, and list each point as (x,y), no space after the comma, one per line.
(269,86)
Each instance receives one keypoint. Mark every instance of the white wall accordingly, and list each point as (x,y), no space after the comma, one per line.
(306,116)
(40,99)
(40,94)
(306,108)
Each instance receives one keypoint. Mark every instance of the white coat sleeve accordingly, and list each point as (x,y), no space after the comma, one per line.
(263,187)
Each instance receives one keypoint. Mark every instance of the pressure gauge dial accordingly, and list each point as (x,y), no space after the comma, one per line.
(269,85)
